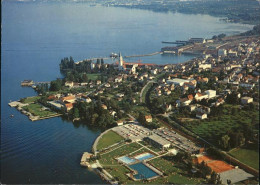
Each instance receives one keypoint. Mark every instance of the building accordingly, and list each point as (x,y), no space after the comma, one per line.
(68,106)
(120,122)
(177,81)
(201,115)
(148,118)
(197,40)
(210,93)
(69,84)
(199,96)
(157,141)
(27,83)
(69,99)
(222,52)
(205,66)
(246,100)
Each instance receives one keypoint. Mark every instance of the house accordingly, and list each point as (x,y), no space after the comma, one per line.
(118,79)
(218,102)
(120,95)
(120,122)
(246,100)
(168,107)
(192,107)
(183,102)
(210,93)
(201,115)
(69,99)
(107,85)
(167,92)
(104,106)
(86,99)
(203,109)
(199,96)
(68,106)
(154,71)
(69,84)
(98,82)
(148,118)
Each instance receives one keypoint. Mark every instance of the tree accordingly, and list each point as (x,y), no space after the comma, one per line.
(56,85)
(98,61)
(84,77)
(224,142)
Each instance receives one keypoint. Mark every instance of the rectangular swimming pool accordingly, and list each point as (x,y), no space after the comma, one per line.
(126,160)
(143,171)
(144,156)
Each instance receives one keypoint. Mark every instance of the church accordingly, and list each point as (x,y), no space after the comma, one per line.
(127,67)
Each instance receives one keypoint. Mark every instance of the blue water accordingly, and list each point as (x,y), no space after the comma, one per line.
(35,36)
(144,156)
(143,171)
(126,159)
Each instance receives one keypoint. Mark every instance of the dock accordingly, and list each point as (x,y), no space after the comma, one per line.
(85,158)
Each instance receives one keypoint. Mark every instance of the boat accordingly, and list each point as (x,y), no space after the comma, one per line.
(11,115)
(113,55)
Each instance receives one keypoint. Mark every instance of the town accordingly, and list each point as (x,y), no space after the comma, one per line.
(194,122)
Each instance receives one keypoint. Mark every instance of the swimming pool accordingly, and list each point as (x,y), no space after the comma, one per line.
(126,160)
(144,156)
(143,171)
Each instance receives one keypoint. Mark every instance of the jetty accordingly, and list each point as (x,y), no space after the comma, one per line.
(85,159)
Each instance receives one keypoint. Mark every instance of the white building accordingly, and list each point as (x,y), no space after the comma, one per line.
(201,115)
(211,93)
(246,100)
(222,52)
(177,81)
(205,66)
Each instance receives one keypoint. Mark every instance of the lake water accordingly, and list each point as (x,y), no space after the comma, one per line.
(35,36)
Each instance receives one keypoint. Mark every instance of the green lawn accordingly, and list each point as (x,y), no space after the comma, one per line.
(176,172)
(247,156)
(38,110)
(30,99)
(93,76)
(108,139)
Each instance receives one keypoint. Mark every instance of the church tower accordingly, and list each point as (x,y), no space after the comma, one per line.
(121,62)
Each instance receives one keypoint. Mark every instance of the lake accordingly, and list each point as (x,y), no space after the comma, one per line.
(35,36)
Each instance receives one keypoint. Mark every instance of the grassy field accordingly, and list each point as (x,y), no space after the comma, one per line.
(30,99)
(93,76)
(176,172)
(108,139)
(38,110)
(247,156)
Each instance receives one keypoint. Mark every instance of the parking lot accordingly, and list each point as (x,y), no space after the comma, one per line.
(137,132)
(132,131)
(177,140)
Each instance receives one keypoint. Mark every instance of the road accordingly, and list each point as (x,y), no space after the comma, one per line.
(141,94)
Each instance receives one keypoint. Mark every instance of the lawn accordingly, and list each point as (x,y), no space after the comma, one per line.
(176,172)
(30,99)
(93,76)
(108,139)
(38,110)
(247,156)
